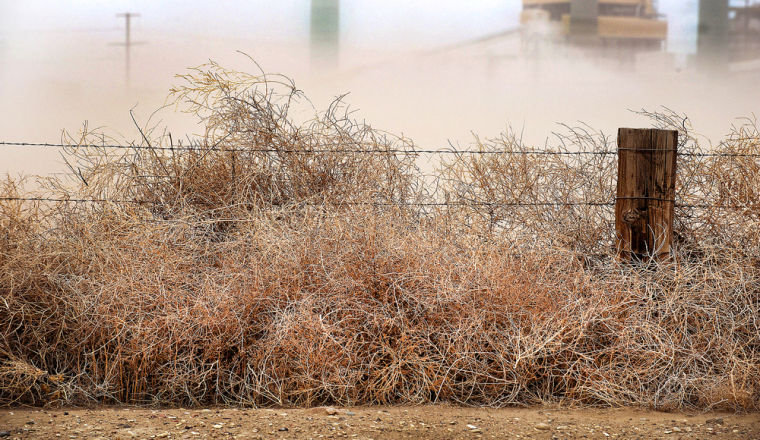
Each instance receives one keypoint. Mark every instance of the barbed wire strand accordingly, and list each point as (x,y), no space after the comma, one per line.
(303,151)
(430,204)
(74,200)
(420,204)
(362,151)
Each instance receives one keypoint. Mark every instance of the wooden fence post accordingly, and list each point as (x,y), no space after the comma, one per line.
(645,192)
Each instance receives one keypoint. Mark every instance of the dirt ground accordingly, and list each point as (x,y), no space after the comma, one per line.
(425,422)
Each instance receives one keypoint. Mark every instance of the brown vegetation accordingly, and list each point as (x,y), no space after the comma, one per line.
(247,272)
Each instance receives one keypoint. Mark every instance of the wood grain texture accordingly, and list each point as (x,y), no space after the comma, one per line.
(646,191)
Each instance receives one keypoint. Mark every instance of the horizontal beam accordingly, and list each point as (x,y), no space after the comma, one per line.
(626,27)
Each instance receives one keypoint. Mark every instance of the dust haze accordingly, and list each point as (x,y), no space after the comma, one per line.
(407,68)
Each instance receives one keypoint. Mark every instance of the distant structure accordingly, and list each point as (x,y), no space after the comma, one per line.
(728,33)
(610,24)
(712,34)
(325,33)
(744,30)
(128,43)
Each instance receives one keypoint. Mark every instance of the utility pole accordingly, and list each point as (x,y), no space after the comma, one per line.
(128,43)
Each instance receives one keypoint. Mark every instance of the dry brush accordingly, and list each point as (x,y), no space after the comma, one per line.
(271,263)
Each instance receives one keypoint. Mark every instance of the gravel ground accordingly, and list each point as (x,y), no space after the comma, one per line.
(424,422)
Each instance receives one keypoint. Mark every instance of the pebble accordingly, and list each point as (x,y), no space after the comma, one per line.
(179,428)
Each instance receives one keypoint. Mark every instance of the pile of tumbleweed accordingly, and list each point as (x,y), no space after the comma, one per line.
(276,262)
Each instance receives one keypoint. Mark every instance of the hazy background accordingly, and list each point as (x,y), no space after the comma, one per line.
(58,68)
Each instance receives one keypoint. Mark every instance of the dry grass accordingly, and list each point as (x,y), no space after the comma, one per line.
(254,277)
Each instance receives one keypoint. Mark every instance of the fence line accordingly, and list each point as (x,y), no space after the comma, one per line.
(201,149)
(77,200)
(422,204)
(418,204)
(304,151)
(720,154)
(357,151)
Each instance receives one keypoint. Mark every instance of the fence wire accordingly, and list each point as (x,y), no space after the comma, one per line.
(411,151)
(418,204)
(422,204)
(202,149)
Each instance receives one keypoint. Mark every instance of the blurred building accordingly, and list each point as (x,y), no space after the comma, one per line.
(615,25)
(744,30)
(729,35)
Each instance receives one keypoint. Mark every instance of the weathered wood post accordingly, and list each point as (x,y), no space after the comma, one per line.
(646,190)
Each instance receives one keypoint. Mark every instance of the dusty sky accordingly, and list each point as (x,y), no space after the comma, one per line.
(58,69)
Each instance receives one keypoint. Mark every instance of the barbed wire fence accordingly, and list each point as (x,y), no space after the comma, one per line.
(391,151)
(357,151)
